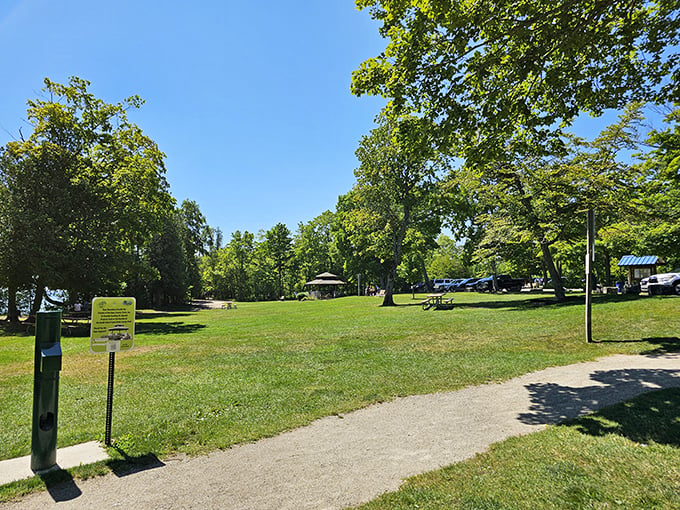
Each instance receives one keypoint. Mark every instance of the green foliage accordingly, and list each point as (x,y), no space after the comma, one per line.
(447,261)
(485,71)
(79,195)
(395,199)
(533,202)
(278,245)
(315,249)
(167,255)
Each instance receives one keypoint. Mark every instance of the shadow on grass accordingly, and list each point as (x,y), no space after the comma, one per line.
(62,487)
(168,328)
(553,403)
(551,302)
(131,465)
(665,344)
(156,314)
(651,417)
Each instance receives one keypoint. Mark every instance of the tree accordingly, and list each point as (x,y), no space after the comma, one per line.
(240,251)
(542,200)
(396,190)
(661,199)
(446,260)
(197,237)
(167,256)
(279,246)
(483,71)
(314,247)
(79,195)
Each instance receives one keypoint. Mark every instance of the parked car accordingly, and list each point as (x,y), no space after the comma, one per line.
(664,283)
(462,284)
(472,284)
(441,283)
(504,282)
(484,284)
(643,284)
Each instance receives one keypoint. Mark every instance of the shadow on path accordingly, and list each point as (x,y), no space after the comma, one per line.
(131,465)
(60,485)
(553,403)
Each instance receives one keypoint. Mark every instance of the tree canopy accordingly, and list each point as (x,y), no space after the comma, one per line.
(397,191)
(79,194)
(489,70)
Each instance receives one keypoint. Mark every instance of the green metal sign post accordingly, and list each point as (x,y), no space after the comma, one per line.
(112,331)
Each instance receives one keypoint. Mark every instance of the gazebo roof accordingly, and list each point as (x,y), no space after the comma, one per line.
(326,279)
(633,261)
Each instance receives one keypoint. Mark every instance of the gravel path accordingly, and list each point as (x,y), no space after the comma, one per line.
(342,461)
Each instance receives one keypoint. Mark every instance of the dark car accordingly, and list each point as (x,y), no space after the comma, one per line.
(504,282)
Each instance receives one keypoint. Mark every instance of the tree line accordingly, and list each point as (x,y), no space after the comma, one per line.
(474,139)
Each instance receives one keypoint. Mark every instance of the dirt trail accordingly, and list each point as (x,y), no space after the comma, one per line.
(343,461)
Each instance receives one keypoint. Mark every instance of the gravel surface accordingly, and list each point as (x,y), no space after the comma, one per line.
(342,461)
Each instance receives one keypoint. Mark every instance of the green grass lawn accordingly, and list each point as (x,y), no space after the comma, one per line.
(199,381)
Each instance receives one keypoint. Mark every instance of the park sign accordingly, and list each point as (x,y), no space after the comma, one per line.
(113,324)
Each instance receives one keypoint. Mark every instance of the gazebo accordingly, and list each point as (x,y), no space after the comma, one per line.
(640,267)
(325,285)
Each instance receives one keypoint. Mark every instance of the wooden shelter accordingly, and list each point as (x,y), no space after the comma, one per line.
(640,267)
(325,285)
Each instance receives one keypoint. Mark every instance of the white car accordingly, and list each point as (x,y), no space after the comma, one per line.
(643,284)
(664,283)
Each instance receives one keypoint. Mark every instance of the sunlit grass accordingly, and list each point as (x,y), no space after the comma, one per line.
(198,381)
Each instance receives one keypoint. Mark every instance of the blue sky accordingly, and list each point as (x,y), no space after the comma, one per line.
(250,101)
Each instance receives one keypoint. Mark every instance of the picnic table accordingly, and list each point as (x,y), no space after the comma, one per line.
(72,320)
(229,305)
(437,302)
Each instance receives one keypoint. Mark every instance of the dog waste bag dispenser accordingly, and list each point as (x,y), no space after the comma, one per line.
(46,390)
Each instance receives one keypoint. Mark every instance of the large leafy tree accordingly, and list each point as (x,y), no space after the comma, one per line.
(278,245)
(542,200)
(397,190)
(483,71)
(197,237)
(80,194)
(661,235)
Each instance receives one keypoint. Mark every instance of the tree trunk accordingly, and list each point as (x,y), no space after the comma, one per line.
(554,274)
(494,281)
(396,259)
(12,310)
(37,300)
(388,300)
(428,283)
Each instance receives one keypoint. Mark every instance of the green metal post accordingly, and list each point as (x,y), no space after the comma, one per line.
(46,390)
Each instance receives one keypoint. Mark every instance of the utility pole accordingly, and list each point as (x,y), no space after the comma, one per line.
(590,260)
